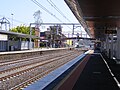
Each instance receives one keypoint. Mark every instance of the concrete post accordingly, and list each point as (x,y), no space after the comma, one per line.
(107,45)
(111,47)
(73,30)
(118,46)
(102,48)
(8,48)
(104,45)
(30,39)
(20,42)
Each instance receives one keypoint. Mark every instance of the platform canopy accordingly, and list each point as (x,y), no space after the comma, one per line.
(97,16)
(18,34)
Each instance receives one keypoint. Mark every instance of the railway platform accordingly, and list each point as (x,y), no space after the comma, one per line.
(100,73)
(19,69)
(89,71)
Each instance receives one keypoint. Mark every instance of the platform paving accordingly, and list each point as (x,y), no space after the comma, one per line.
(97,76)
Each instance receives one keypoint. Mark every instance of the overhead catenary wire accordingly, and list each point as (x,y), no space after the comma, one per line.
(42,7)
(56,8)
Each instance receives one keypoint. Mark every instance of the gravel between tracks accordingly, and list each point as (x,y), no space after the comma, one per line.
(40,71)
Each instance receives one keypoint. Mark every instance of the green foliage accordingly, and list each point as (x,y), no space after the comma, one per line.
(23,30)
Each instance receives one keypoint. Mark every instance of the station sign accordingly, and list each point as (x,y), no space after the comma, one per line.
(110,31)
(3,37)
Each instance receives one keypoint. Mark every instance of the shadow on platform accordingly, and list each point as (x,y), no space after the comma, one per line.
(96,75)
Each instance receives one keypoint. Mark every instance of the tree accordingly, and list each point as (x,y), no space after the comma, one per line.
(23,30)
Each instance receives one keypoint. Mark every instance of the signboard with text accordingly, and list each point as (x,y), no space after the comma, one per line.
(3,37)
(110,31)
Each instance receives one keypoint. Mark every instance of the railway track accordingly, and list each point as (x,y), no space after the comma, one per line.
(28,59)
(19,77)
(25,62)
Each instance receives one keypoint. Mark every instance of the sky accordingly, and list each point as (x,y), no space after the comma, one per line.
(21,12)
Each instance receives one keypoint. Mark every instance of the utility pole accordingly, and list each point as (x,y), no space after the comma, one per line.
(12,19)
(37,17)
(38,21)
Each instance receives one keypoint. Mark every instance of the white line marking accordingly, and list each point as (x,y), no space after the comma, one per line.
(118,84)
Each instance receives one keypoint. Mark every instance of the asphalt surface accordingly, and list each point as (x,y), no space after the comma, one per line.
(96,75)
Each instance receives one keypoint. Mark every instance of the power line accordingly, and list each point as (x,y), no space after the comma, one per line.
(56,8)
(18,21)
(41,6)
(38,4)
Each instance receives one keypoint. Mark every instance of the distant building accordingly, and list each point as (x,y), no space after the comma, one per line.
(69,42)
(53,37)
(42,35)
(57,30)
(37,33)
(4,26)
